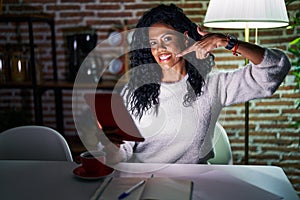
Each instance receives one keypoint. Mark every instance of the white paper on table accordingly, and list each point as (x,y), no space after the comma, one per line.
(163,188)
(159,188)
(216,185)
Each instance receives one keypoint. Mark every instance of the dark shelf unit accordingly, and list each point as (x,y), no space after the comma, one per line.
(30,19)
(56,85)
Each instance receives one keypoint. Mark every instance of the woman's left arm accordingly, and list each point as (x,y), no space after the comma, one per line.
(258,79)
(210,41)
(250,51)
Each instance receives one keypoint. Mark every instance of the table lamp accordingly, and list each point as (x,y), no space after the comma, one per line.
(246,14)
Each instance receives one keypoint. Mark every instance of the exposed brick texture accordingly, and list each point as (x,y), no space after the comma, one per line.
(273,141)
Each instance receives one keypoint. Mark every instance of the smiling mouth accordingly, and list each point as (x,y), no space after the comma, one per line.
(164,57)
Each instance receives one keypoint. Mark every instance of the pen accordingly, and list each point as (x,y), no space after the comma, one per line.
(127,192)
(101,189)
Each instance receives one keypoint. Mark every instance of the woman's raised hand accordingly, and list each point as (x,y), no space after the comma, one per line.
(208,42)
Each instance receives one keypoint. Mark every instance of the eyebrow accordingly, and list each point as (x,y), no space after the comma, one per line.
(168,33)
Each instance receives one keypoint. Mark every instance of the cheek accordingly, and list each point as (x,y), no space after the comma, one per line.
(182,45)
(177,47)
(154,52)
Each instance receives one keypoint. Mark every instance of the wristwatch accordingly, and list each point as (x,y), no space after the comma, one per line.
(232,41)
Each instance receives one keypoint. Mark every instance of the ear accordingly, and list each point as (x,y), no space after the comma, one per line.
(186,41)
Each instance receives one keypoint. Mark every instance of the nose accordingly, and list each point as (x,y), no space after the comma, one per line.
(161,45)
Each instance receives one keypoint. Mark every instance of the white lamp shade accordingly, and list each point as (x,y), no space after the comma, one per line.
(237,14)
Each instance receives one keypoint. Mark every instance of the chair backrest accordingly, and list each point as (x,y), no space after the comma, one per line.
(222,148)
(33,143)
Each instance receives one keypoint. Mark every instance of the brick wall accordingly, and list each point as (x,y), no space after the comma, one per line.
(272,140)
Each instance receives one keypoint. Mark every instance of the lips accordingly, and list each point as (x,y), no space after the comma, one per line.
(164,57)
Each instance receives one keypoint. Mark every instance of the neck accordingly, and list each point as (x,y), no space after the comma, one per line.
(175,73)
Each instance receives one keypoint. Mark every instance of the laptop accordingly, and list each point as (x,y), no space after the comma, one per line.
(113,117)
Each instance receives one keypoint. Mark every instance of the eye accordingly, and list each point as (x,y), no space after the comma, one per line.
(167,39)
(152,43)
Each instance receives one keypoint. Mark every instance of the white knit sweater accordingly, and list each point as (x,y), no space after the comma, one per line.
(180,134)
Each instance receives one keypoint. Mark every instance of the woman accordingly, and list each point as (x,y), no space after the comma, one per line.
(172,97)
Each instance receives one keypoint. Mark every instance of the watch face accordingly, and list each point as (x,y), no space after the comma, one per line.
(232,37)
(115,38)
(232,41)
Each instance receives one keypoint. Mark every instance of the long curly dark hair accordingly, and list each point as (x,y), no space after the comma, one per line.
(143,88)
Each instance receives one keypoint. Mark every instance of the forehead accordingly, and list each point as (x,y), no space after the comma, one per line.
(161,29)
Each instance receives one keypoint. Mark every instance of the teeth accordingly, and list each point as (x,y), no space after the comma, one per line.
(163,57)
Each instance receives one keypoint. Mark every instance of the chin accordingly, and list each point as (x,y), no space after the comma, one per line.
(166,67)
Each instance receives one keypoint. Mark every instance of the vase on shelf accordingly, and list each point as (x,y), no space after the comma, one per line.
(19,65)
